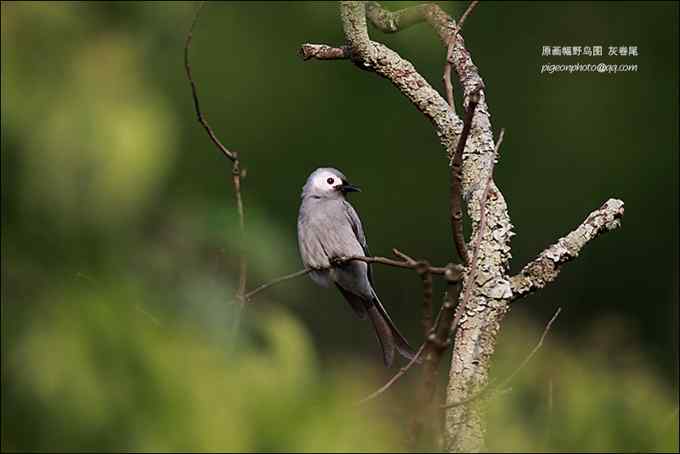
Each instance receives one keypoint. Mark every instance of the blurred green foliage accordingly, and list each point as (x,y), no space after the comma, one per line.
(96,372)
(580,396)
(119,239)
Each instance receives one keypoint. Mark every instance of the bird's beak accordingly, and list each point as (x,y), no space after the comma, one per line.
(346,187)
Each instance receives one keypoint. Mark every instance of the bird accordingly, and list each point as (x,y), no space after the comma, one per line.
(329,228)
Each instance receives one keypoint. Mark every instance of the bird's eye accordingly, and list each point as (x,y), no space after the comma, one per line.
(330,181)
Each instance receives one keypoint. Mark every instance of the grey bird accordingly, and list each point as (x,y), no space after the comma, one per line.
(329,228)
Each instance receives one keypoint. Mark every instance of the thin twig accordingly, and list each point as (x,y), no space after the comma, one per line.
(194,91)
(278,280)
(448,86)
(231,155)
(467,12)
(243,262)
(404,257)
(456,202)
(446,78)
(538,346)
(503,384)
(148,315)
(412,265)
(422,267)
(426,276)
(457,161)
(451,272)
(394,378)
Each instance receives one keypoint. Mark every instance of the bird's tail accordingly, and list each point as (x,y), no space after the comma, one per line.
(390,338)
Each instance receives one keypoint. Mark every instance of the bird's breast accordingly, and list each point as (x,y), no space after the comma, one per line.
(324,233)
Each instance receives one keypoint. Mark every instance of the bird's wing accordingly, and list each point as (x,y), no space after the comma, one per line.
(358,230)
(355,222)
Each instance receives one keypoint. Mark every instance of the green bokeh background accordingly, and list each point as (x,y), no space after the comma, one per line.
(120,239)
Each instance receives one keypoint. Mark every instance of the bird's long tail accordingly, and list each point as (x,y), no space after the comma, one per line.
(390,338)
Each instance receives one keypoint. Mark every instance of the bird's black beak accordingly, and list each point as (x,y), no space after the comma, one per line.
(346,187)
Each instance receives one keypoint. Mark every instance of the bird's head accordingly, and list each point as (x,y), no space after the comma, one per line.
(327,182)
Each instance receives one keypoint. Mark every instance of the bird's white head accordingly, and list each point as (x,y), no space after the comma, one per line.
(327,182)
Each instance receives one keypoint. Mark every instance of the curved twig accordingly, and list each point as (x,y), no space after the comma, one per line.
(231,155)
(194,91)
(455,201)
(503,384)
(278,280)
(394,378)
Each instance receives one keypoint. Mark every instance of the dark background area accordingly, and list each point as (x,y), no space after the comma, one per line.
(109,183)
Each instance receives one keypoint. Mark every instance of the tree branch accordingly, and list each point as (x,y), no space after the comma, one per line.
(324,52)
(450,272)
(385,62)
(545,268)
(392,22)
